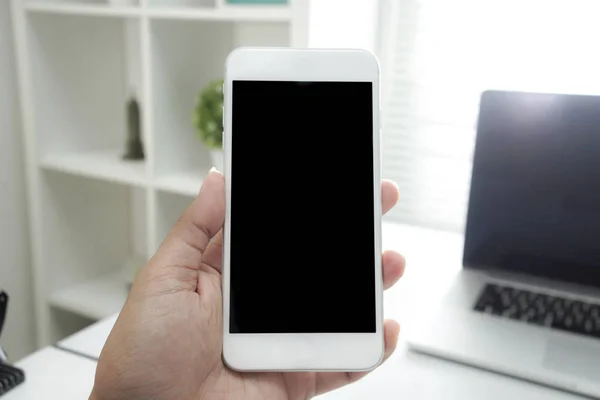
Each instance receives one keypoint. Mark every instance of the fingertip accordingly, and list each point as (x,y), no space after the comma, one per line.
(214,177)
(395,259)
(214,174)
(391,335)
(391,190)
(393,268)
(390,194)
(392,327)
(392,183)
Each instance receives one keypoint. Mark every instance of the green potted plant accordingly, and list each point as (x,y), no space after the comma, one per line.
(208,120)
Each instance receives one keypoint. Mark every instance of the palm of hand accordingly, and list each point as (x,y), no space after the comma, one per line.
(167,341)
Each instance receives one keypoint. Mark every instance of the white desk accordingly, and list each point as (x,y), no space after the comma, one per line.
(52,374)
(432,257)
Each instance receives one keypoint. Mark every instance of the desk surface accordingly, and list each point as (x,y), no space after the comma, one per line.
(53,374)
(432,258)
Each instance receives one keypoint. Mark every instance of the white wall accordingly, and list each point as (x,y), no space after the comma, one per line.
(18,337)
(343,24)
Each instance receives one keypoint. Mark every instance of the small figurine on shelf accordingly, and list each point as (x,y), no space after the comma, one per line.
(135,149)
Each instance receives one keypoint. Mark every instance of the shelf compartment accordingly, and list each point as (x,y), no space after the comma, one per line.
(83,9)
(93,240)
(80,90)
(178,76)
(96,298)
(105,165)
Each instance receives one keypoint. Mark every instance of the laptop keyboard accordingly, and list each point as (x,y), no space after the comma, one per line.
(540,309)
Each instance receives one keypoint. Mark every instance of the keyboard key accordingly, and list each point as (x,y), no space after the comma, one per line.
(568,321)
(567,303)
(505,300)
(553,312)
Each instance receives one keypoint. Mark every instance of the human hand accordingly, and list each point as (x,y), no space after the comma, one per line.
(167,341)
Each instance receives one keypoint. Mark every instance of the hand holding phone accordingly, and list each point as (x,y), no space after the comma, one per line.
(171,326)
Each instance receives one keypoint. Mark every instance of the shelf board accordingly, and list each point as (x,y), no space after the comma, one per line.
(104,164)
(49,7)
(186,183)
(224,13)
(95,299)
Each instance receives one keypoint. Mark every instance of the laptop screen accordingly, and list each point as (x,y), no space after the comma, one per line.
(534,204)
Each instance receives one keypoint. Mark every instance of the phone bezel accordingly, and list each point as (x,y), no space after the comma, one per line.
(314,351)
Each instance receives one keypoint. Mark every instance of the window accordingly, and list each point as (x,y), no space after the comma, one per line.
(437,57)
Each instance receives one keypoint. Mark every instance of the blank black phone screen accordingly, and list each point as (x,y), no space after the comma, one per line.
(302,252)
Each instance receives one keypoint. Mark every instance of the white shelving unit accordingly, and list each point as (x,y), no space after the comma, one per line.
(93,215)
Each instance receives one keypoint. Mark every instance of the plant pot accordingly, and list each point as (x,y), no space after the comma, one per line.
(216,157)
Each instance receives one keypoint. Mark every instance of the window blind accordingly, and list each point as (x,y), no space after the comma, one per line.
(438,56)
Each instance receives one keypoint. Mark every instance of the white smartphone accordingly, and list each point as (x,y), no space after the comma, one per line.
(302,276)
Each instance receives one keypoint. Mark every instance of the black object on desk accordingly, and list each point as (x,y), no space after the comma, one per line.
(10,376)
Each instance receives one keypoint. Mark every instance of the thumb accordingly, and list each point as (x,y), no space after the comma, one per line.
(200,222)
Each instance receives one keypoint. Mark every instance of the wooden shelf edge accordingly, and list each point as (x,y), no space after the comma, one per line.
(104,165)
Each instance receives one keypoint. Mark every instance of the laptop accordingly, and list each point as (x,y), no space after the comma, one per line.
(526,302)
